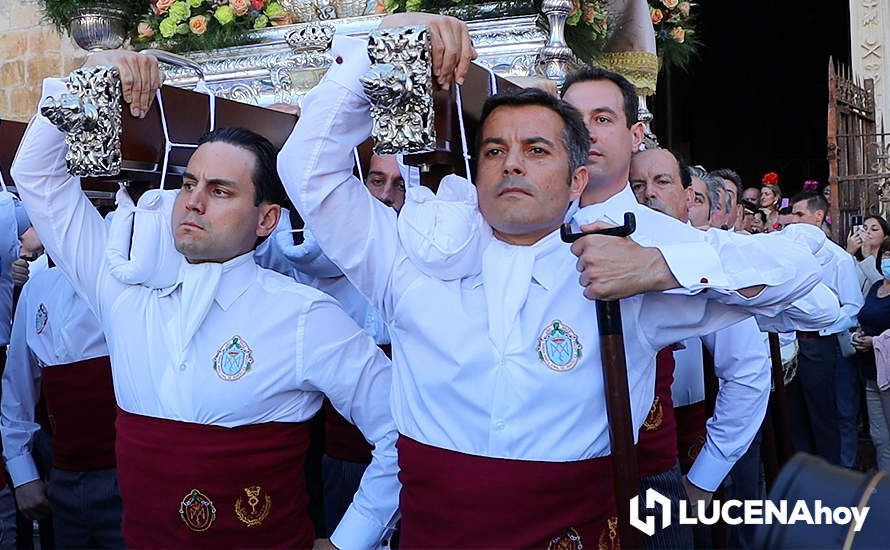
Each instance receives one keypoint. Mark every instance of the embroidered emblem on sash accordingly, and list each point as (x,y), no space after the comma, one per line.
(197,511)
(558,346)
(609,536)
(42,316)
(250,515)
(233,359)
(570,540)
(656,416)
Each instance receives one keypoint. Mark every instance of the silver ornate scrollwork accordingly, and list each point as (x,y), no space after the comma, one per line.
(556,60)
(311,37)
(90,113)
(400,88)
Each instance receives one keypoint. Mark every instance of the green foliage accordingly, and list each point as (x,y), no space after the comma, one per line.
(60,12)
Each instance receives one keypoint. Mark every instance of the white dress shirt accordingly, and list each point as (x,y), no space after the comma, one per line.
(468,354)
(166,345)
(841,275)
(53,326)
(9,251)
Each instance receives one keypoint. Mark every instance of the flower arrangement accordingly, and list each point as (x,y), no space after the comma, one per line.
(770,178)
(675,36)
(586,27)
(60,12)
(186,25)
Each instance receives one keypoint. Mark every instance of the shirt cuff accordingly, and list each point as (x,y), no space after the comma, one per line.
(351,62)
(709,470)
(696,267)
(22,470)
(357,531)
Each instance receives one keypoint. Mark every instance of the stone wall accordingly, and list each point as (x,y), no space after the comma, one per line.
(30,50)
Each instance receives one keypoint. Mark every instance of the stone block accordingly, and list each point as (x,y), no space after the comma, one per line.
(40,67)
(13,44)
(43,40)
(23,103)
(12,74)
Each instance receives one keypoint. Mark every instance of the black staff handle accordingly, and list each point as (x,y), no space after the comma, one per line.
(625,473)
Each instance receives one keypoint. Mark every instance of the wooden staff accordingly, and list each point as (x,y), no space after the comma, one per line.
(625,474)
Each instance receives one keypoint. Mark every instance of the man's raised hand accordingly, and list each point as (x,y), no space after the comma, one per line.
(452,48)
(140,76)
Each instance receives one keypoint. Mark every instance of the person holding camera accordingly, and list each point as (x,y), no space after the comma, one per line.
(863,243)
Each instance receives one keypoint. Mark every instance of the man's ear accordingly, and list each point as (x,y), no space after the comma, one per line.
(690,197)
(268,219)
(578,182)
(637,132)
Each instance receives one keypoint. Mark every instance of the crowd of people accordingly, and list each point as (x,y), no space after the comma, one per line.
(416,368)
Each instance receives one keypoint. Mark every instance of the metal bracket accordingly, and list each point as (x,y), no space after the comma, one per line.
(400,88)
(90,113)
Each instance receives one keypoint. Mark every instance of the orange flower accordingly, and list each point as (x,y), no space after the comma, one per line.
(670,4)
(657,16)
(198,24)
(678,34)
(240,7)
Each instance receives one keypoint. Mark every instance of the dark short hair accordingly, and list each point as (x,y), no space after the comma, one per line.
(685,174)
(589,73)
(883,249)
(749,206)
(814,200)
(266,181)
(730,175)
(575,136)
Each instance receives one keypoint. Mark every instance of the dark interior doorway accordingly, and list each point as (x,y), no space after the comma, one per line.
(755,100)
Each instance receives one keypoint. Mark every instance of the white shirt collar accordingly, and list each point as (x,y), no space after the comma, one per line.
(611,210)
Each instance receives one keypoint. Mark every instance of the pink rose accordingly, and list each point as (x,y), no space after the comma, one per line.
(685,8)
(163,6)
(144,30)
(258,5)
(678,34)
(657,16)
(670,4)
(240,7)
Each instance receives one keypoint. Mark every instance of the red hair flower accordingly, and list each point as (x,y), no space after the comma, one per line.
(770,178)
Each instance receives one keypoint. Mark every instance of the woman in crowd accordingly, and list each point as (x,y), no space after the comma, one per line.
(770,197)
(863,243)
(874,320)
(758,225)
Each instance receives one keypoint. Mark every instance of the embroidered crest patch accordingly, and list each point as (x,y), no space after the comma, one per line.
(570,540)
(609,536)
(558,346)
(233,359)
(42,316)
(253,514)
(656,416)
(197,511)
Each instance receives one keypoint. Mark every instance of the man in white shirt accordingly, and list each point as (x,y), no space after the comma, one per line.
(740,362)
(816,424)
(56,339)
(385,181)
(216,375)
(497,378)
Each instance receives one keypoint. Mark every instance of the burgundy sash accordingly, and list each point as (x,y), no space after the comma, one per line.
(342,440)
(81,408)
(691,432)
(657,446)
(456,500)
(186,485)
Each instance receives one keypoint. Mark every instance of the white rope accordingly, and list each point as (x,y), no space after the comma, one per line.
(2,183)
(463,134)
(168,143)
(358,163)
(492,79)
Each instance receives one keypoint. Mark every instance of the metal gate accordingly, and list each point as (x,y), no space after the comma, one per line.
(858,155)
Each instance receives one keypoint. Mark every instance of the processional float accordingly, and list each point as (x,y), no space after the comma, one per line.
(433,128)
